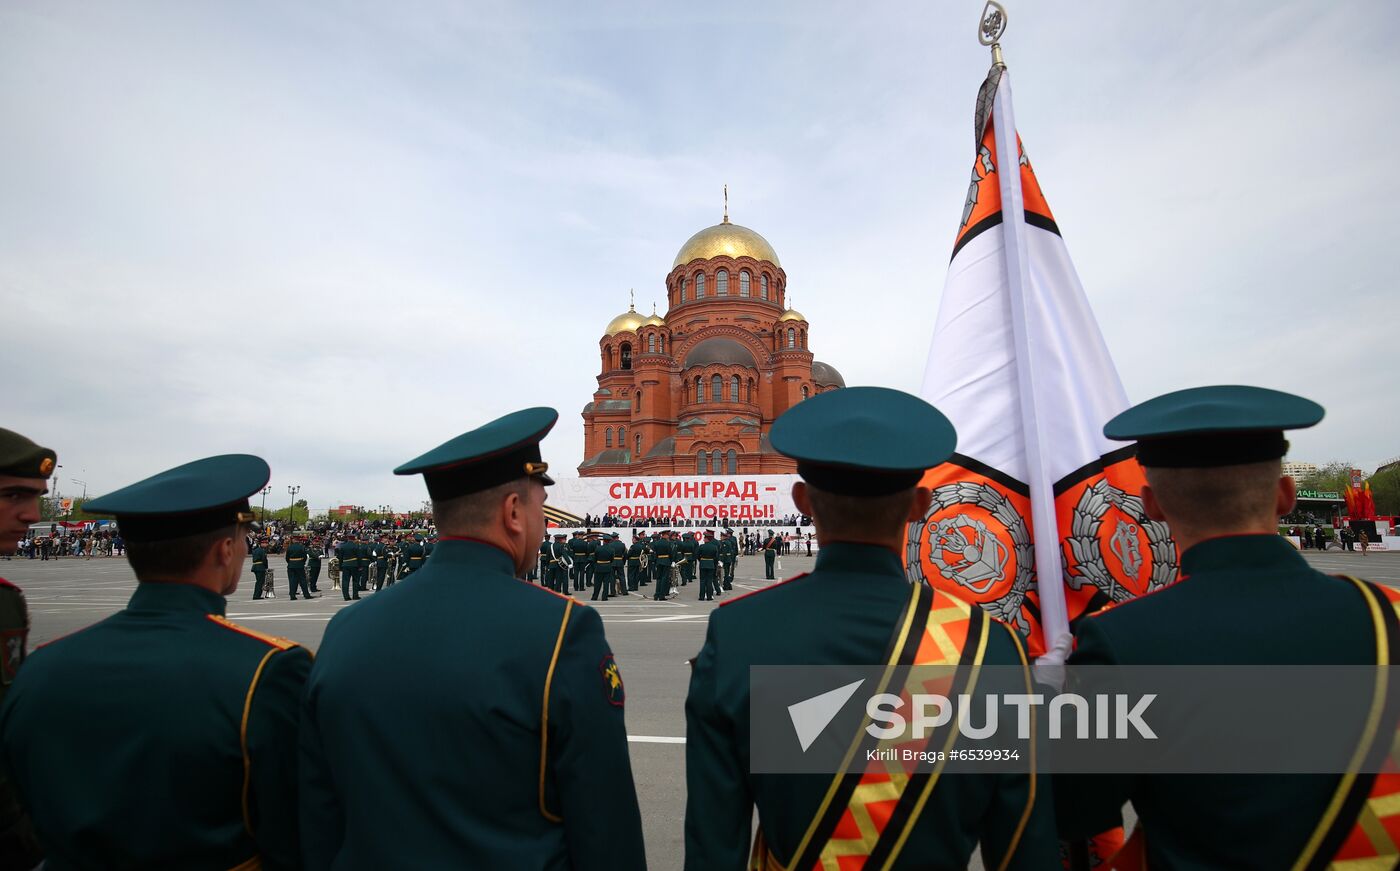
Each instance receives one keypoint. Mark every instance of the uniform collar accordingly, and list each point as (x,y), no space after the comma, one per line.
(1260,552)
(152,596)
(460,549)
(845,556)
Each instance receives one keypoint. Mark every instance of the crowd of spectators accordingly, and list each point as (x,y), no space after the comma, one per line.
(720,522)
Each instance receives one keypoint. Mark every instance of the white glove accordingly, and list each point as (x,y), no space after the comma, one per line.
(1049,670)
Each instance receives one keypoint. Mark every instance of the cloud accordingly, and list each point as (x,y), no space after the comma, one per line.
(337,238)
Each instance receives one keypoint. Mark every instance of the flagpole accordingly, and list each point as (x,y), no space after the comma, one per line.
(1054,615)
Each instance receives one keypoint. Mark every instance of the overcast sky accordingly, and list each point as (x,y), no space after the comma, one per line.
(336,235)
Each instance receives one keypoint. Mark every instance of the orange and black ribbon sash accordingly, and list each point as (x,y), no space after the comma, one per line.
(867,816)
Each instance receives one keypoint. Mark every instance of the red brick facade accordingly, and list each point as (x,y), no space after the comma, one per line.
(655,410)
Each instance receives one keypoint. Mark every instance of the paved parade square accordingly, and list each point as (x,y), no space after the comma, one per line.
(652,640)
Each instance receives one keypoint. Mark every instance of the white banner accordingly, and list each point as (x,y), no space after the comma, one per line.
(745,500)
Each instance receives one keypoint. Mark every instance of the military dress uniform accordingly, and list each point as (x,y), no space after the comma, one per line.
(348,555)
(193,764)
(504,702)
(578,549)
(557,570)
(260,570)
(634,564)
(381,565)
(541,570)
(770,554)
(707,557)
(619,561)
(296,570)
(602,570)
(729,556)
(314,554)
(1241,600)
(664,549)
(19,458)
(848,611)
(688,549)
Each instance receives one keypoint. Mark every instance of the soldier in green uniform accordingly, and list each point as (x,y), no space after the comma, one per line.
(707,559)
(347,553)
(540,570)
(861,453)
(428,544)
(521,677)
(619,562)
(602,569)
(689,547)
(771,544)
(578,550)
(381,564)
(296,569)
(1213,462)
(314,555)
(634,563)
(664,549)
(556,569)
(260,568)
(729,556)
(24,471)
(165,736)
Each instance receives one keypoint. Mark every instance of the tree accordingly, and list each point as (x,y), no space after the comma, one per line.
(1385,489)
(1334,477)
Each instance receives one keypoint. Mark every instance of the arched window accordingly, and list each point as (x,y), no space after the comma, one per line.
(685,390)
(622,437)
(792,338)
(804,340)
(699,389)
(663,344)
(651,343)
(805,394)
(683,288)
(607,357)
(639,446)
(750,390)
(733,457)
(699,285)
(734,389)
(639,400)
(717,461)
(717,389)
(627,355)
(722,283)
(763,285)
(743,282)
(607,437)
(702,466)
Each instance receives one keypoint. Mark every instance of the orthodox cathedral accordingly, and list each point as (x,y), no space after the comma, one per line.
(695,391)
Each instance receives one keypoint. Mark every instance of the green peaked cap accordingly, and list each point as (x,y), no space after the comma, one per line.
(1221,425)
(503,450)
(196,497)
(864,441)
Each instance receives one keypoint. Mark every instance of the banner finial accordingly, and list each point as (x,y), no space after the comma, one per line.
(991,29)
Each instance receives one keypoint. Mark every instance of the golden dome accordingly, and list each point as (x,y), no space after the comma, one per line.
(626,322)
(729,239)
(792,315)
(655,320)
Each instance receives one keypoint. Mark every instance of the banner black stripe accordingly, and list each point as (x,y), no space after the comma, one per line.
(1093,467)
(987,471)
(1033,218)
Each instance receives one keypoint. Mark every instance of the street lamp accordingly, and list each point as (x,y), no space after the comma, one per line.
(262,512)
(293,490)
